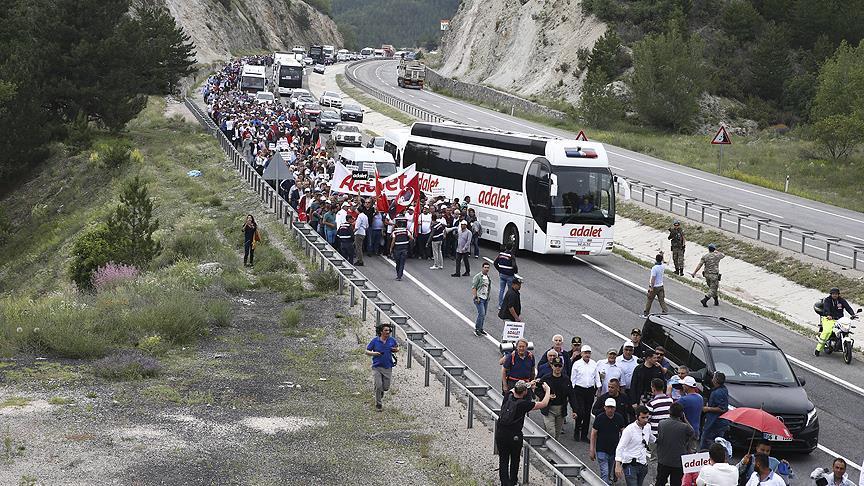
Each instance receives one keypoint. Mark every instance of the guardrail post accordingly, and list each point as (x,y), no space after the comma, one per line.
(447,390)
(855,258)
(470,410)
(758,230)
(656,199)
(526,454)
(670,204)
(426,372)
(828,250)
(739,225)
(643,194)
(341,284)
(365,302)
(351,300)
(410,358)
(377,317)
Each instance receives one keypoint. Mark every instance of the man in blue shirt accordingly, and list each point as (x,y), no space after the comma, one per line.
(381,348)
(692,402)
(718,404)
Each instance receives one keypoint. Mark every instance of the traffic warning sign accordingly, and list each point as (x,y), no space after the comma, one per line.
(722,138)
(581,137)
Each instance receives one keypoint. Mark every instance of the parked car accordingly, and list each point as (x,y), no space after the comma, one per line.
(296,94)
(352,112)
(347,134)
(758,375)
(376,142)
(332,99)
(327,120)
(308,61)
(319,68)
(304,100)
(265,97)
(312,110)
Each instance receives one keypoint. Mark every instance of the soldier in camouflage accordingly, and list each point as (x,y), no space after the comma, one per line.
(676,236)
(711,262)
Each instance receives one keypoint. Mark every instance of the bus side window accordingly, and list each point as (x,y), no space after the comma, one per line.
(391,149)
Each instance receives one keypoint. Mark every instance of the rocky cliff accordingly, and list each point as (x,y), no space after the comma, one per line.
(220,28)
(527,47)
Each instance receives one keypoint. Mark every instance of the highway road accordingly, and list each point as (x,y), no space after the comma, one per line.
(739,196)
(601,300)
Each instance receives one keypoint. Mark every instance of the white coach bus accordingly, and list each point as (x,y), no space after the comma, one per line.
(253,78)
(544,195)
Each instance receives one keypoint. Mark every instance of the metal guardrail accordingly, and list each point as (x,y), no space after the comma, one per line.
(766,230)
(769,231)
(412,109)
(561,463)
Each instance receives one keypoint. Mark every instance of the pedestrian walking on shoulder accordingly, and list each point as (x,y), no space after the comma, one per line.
(399,246)
(586,381)
(711,262)
(673,435)
(505,263)
(345,235)
(655,287)
(480,293)
(360,228)
(250,237)
(631,455)
(511,309)
(463,249)
(517,365)
(562,395)
(381,348)
(676,237)
(605,434)
(508,429)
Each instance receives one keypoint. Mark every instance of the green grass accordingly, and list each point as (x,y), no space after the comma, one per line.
(790,268)
(15,402)
(60,401)
(373,103)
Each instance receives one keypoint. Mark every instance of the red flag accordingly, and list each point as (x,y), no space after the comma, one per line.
(417,215)
(408,196)
(301,209)
(381,203)
(318,144)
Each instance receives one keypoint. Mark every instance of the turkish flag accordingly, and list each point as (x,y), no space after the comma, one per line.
(381,203)
(407,197)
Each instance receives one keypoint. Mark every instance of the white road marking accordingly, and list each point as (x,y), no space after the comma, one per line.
(433,104)
(453,112)
(618,168)
(621,336)
(761,211)
(473,120)
(484,113)
(854,237)
(441,301)
(828,376)
(677,186)
(730,186)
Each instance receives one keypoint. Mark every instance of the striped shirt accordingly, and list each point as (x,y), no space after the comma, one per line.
(437,231)
(659,408)
(400,239)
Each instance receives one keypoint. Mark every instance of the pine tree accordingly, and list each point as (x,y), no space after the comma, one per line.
(131,226)
(167,53)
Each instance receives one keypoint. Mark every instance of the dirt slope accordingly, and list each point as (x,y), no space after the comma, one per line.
(528,49)
(251,25)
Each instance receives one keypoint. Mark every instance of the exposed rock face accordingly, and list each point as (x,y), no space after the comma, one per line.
(527,47)
(249,25)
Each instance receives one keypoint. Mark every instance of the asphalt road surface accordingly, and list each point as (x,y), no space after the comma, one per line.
(739,196)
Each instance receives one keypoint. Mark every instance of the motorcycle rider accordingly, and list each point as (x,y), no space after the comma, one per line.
(832,310)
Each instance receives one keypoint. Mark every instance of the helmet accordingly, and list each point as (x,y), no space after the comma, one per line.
(819,307)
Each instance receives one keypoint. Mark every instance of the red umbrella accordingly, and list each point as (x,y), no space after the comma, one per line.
(758,419)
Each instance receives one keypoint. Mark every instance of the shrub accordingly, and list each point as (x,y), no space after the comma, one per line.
(234,282)
(219,313)
(270,259)
(91,250)
(178,316)
(114,154)
(152,345)
(280,282)
(127,365)
(291,318)
(132,226)
(325,281)
(111,275)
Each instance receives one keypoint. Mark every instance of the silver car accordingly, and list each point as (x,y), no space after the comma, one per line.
(347,134)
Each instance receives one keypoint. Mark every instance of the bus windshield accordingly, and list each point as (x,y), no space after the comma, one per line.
(585,195)
(290,76)
(252,82)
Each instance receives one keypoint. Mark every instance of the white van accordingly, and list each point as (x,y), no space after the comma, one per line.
(368,159)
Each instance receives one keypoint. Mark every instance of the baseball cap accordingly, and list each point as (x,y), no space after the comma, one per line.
(520,386)
(463,222)
(611,351)
(586,348)
(556,362)
(676,222)
(689,381)
(628,344)
(610,402)
(712,246)
(576,340)
(834,290)
(636,330)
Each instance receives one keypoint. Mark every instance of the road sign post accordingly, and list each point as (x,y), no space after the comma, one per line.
(721,139)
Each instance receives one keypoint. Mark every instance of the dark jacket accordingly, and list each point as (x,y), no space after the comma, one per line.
(640,384)
(624,405)
(561,388)
(834,308)
(673,436)
(511,299)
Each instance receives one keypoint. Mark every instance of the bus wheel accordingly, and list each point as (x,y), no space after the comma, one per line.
(511,238)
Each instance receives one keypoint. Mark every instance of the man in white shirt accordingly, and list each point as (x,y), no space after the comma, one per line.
(423,247)
(341,214)
(585,380)
(627,363)
(655,287)
(608,370)
(762,473)
(631,455)
(360,227)
(718,472)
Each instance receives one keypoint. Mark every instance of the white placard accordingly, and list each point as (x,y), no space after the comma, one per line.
(694,462)
(513,331)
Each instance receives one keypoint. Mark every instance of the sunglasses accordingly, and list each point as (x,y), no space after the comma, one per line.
(557,365)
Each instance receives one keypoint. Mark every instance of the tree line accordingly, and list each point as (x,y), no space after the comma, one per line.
(402,23)
(789,62)
(68,67)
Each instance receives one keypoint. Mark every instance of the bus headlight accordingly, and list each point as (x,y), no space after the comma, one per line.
(554,243)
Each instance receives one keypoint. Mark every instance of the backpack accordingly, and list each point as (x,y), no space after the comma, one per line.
(507,416)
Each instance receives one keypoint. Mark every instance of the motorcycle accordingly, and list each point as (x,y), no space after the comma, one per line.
(835,335)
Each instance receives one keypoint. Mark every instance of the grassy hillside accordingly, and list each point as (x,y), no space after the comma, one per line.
(402,23)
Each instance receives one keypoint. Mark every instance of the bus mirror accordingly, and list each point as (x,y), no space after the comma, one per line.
(553,188)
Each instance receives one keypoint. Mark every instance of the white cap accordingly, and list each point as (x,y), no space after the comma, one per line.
(689,381)
(629,344)
(586,348)
(610,402)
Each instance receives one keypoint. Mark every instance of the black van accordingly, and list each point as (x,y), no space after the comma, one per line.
(757,372)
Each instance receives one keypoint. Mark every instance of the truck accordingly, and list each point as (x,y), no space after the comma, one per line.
(329,54)
(410,74)
(388,50)
(316,52)
(253,78)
